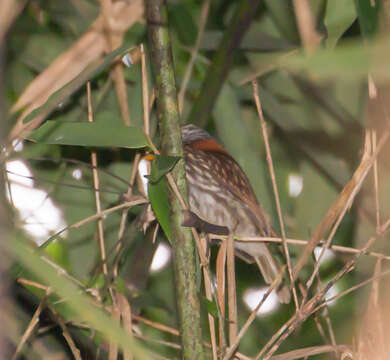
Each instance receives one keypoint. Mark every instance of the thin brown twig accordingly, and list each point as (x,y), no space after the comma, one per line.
(298,242)
(376,186)
(134,171)
(310,351)
(145,91)
(113,349)
(306,25)
(205,264)
(35,284)
(158,341)
(368,159)
(311,306)
(156,325)
(342,203)
(209,296)
(138,200)
(275,189)
(232,293)
(65,332)
(96,185)
(31,326)
(221,285)
(115,40)
(194,51)
(125,311)
(351,289)
(326,315)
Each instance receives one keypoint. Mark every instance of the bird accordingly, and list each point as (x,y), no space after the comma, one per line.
(220,193)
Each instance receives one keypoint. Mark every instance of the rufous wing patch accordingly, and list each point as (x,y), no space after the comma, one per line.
(208,145)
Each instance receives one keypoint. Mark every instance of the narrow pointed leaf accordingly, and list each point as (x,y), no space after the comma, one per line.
(96,134)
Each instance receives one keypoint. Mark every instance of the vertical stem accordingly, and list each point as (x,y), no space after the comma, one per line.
(96,185)
(222,61)
(168,117)
(232,294)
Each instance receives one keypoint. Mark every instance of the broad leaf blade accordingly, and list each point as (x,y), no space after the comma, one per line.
(96,134)
(162,165)
(158,197)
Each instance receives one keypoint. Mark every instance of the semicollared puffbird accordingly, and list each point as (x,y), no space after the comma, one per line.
(221,194)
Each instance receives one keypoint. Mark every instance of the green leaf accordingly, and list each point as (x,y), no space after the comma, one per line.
(78,301)
(97,134)
(338,18)
(162,165)
(183,23)
(368,12)
(347,62)
(210,306)
(283,15)
(158,197)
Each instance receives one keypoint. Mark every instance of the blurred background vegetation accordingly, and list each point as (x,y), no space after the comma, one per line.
(317,100)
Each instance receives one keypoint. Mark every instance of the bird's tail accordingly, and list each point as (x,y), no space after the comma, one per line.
(269,267)
(270,270)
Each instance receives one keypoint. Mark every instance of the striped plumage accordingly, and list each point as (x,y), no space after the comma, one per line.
(221,194)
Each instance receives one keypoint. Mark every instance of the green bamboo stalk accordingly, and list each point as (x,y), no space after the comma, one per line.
(222,62)
(169,120)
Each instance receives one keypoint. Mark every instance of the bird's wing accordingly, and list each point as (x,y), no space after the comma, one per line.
(233,178)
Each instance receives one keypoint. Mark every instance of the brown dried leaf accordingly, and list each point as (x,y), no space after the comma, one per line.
(89,48)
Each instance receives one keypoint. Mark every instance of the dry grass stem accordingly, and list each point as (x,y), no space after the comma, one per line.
(326,315)
(194,52)
(137,200)
(306,25)
(376,186)
(174,332)
(221,286)
(114,39)
(209,296)
(156,325)
(121,91)
(232,293)
(233,346)
(35,284)
(351,289)
(9,10)
(65,333)
(160,342)
(31,326)
(145,91)
(343,202)
(310,351)
(125,311)
(96,185)
(336,248)
(113,349)
(310,306)
(275,189)
(368,159)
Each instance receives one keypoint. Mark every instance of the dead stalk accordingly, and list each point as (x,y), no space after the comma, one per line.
(96,185)
(275,189)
